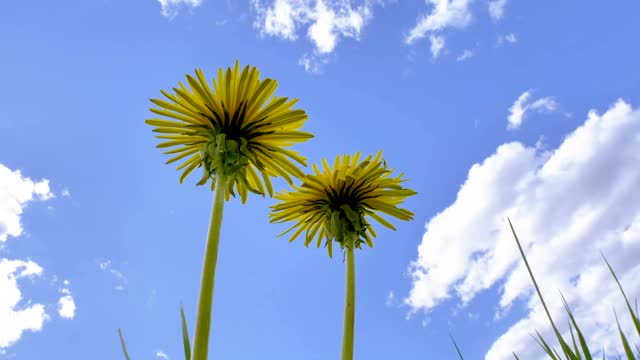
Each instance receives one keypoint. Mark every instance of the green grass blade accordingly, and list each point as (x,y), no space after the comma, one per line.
(625,342)
(581,339)
(124,346)
(515,356)
(456,345)
(543,344)
(634,316)
(565,347)
(185,335)
(573,341)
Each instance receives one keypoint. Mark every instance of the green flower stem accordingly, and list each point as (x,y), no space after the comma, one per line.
(205,301)
(349,305)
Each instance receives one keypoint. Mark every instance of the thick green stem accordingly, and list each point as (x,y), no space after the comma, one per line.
(349,305)
(205,301)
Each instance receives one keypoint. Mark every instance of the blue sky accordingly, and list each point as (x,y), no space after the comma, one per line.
(491,109)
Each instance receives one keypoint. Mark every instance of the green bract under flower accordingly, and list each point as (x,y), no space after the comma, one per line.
(335,204)
(238,128)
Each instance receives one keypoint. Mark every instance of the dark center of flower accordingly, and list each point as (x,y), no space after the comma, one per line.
(345,218)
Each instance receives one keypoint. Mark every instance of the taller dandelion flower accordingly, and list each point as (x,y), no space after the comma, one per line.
(336,204)
(238,133)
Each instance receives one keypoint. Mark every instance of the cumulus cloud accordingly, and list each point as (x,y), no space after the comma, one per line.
(15,192)
(496,8)
(18,314)
(66,304)
(567,204)
(17,318)
(326,21)
(170,8)
(525,104)
(444,14)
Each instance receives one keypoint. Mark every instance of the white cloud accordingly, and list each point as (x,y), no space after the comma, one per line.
(327,21)
(523,105)
(467,54)
(437,44)
(161,354)
(65,193)
(496,8)
(170,8)
(509,38)
(66,304)
(444,14)
(120,278)
(17,318)
(390,298)
(15,192)
(567,204)
(18,314)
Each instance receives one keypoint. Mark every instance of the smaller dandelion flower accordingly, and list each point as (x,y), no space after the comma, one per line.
(336,204)
(239,133)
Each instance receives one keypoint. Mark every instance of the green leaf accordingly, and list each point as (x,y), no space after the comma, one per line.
(543,344)
(124,346)
(457,348)
(185,335)
(634,316)
(625,342)
(581,339)
(563,344)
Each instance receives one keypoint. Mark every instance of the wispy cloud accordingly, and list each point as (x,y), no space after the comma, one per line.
(107,267)
(66,193)
(467,54)
(496,8)
(170,8)
(326,23)
(444,14)
(437,44)
(525,104)
(509,38)
(576,199)
(162,355)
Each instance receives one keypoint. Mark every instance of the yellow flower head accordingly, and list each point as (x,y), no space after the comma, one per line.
(336,204)
(238,129)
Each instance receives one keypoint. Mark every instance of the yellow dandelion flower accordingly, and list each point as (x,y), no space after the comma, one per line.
(235,126)
(336,204)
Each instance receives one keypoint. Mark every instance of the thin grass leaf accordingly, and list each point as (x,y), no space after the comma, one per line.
(581,339)
(565,347)
(543,344)
(457,348)
(124,346)
(185,335)
(634,316)
(573,341)
(515,356)
(625,342)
